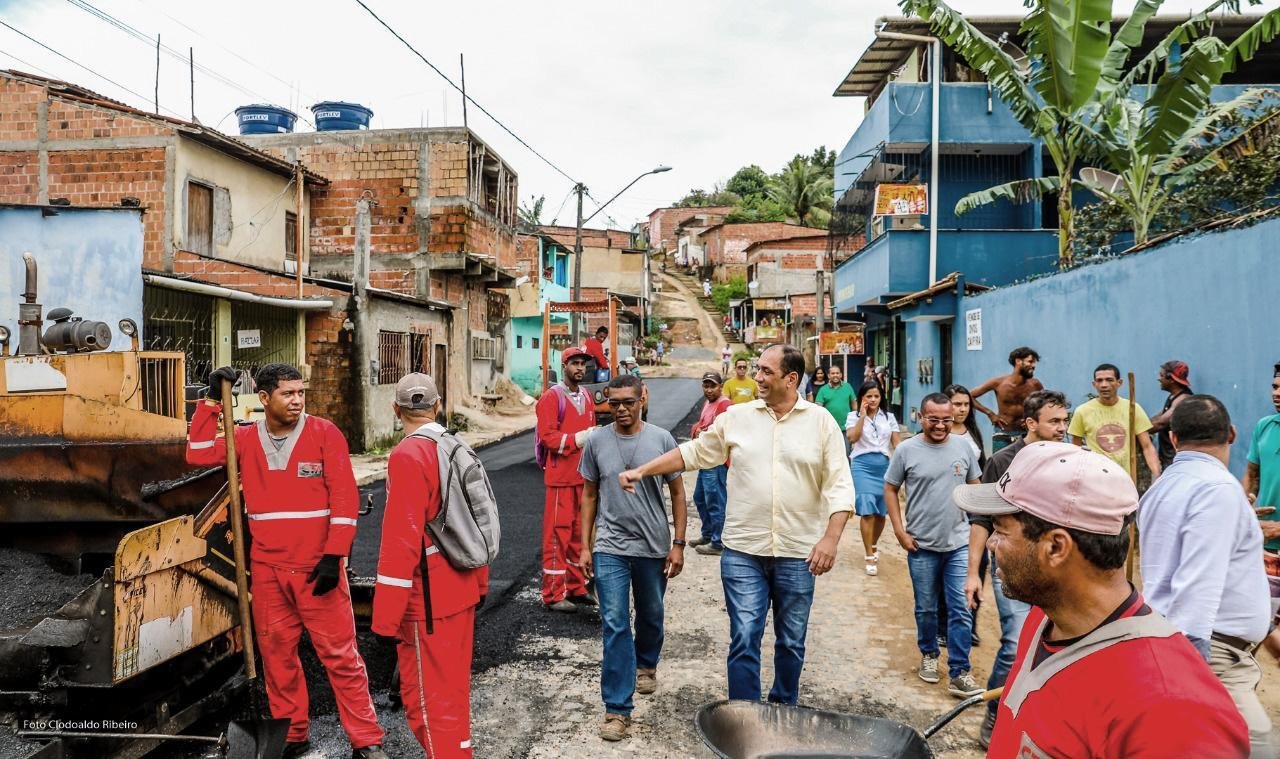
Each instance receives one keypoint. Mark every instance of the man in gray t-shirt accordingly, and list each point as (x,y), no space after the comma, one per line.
(936,536)
(628,548)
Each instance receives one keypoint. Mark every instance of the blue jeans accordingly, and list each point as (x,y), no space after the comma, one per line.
(752,584)
(617,578)
(934,572)
(709,496)
(1012,615)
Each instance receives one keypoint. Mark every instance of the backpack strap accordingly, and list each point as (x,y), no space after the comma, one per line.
(434,436)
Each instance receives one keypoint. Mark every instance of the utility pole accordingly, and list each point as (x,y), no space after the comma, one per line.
(364,356)
(577,264)
(191,68)
(157,96)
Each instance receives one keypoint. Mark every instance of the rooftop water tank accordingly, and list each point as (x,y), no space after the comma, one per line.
(265,119)
(334,116)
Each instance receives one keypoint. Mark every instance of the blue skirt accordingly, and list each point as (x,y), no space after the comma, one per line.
(868,483)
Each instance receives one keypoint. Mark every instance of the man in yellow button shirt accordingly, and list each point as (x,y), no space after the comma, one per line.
(741,388)
(1103,423)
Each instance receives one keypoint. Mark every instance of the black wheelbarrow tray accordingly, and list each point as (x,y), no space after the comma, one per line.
(755,730)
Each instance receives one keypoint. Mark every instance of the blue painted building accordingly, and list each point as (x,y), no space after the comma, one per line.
(549,282)
(904,276)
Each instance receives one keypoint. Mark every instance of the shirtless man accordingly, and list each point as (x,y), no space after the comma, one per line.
(1011,391)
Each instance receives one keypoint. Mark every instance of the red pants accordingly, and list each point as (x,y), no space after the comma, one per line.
(435,683)
(282,607)
(561,545)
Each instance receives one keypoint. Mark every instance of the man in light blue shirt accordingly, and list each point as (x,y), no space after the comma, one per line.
(1202,557)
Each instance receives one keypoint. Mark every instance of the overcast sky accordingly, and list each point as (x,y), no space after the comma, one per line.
(604,90)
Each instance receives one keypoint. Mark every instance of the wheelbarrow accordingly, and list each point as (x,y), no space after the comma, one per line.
(755,730)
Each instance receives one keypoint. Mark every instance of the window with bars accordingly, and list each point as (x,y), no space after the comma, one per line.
(400,353)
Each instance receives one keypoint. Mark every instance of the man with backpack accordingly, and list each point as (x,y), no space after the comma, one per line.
(566,416)
(433,480)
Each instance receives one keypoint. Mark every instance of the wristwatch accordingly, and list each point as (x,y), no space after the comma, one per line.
(680,543)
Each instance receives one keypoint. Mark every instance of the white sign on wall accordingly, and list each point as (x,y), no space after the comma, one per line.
(973,329)
(248,338)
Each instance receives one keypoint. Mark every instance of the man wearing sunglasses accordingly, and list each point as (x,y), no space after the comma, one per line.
(936,536)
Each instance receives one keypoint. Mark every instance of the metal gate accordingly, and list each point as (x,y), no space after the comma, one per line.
(261,335)
(180,321)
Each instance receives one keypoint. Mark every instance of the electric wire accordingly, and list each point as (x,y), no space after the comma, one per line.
(469,99)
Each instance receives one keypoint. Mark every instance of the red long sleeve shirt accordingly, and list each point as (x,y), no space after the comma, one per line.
(558,436)
(413,499)
(301,500)
(595,349)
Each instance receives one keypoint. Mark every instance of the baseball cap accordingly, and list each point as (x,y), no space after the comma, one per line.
(1178,372)
(572,353)
(1059,483)
(416,391)
(713,377)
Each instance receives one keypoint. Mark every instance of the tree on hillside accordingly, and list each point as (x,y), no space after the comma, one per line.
(699,198)
(821,158)
(531,214)
(804,191)
(749,182)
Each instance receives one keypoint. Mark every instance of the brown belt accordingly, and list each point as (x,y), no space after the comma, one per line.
(1239,644)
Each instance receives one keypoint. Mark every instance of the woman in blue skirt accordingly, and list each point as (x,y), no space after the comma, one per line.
(873,434)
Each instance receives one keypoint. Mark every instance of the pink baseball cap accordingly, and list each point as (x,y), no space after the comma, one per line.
(1060,483)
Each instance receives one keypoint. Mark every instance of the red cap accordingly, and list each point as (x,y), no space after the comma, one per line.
(1062,484)
(572,353)
(1178,371)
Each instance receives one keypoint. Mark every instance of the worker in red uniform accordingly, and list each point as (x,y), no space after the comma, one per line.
(435,662)
(300,496)
(594,346)
(1097,673)
(566,416)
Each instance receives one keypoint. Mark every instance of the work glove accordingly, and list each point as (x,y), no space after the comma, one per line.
(215,380)
(326,574)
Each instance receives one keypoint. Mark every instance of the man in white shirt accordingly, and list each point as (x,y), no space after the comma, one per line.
(789,496)
(1202,557)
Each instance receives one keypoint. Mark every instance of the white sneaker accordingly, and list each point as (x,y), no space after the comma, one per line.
(963,686)
(873,570)
(929,669)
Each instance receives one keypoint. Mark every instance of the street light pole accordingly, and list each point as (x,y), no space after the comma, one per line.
(577,239)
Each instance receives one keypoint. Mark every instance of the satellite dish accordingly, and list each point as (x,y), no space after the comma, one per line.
(1100,181)
(1019,56)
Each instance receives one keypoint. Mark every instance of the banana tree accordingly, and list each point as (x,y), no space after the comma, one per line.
(1076,69)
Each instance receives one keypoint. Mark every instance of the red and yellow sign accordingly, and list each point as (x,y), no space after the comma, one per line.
(849,341)
(901,199)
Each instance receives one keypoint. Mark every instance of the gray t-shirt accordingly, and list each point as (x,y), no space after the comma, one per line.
(628,524)
(930,472)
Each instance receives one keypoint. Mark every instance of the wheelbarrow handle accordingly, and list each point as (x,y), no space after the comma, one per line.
(942,721)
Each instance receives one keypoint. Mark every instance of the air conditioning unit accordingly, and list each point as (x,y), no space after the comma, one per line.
(897,223)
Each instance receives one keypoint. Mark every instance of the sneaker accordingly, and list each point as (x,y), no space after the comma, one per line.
(699,542)
(646,681)
(614,727)
(873,570)
(963,686)
(294,749)
(988,725)
(565,606)
(369,752)
(586,599)
(710,549)
(929,668)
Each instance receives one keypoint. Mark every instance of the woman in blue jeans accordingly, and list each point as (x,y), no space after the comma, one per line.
(873,433)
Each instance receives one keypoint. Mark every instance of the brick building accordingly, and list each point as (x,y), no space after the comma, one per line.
(442,231)
(661,228)
(726,244)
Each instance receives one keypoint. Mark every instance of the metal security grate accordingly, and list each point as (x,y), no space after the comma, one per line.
(274,330)
(400,353)
(178,321)
(162,379)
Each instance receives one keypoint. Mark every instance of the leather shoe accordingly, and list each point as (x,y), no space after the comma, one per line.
(294,749)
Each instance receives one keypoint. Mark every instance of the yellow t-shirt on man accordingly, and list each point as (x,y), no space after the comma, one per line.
(1105,429)
(741,390)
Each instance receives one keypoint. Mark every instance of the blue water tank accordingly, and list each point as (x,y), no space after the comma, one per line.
(334,116)
(265,119)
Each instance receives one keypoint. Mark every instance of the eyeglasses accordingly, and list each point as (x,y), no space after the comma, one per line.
(935,421)
(628,402)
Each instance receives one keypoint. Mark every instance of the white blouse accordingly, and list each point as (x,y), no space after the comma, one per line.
(876,433)
(977,452)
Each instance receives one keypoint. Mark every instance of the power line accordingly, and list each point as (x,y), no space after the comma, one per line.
(103,77)
(470,99)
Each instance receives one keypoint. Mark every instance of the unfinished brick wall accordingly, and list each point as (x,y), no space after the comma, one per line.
(591,238)
(103,177)
(332,390)
(19,176)
(727,244)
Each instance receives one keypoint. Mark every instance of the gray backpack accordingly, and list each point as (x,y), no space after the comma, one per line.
(466,530)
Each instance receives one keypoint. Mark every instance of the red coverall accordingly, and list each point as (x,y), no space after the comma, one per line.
(301,503)
(595,349)
(561,545)
(435,668)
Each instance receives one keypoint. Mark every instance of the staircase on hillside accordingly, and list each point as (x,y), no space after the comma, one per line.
(694,285)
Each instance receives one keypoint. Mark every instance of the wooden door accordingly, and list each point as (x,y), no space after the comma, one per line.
(199,219)
(441,374)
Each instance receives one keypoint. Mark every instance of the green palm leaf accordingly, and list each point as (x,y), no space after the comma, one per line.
(1127,38)
(1020,191)
(1181,96)
(1246,45)
(1069,41)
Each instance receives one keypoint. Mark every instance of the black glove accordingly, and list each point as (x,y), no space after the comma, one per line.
(390,641)
(216,378)
(326,574)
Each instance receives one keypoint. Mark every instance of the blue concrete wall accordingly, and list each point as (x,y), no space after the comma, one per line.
(526,361)
(1207,300)
(90,260)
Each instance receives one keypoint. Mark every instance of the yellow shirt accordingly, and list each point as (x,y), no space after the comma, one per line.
(741,390)
(1105,429)
(788,476)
